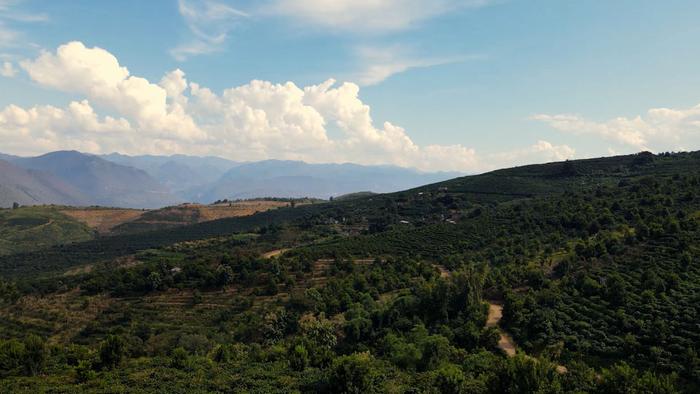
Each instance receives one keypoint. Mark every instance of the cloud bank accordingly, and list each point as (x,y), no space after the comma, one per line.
(660,129)
(320,123)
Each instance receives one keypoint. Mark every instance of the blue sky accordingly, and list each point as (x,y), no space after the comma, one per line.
(466,85)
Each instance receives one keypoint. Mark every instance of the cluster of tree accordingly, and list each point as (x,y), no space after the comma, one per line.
(596,262)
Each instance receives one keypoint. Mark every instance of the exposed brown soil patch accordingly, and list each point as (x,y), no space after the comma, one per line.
(103,220)
(495,315)
(444,272)
(274,253)
(240,208)
(505,342)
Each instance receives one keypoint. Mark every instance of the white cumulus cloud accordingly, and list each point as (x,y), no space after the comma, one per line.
(45,128)
(540,152)
(322,123)
(660,129)
(97,74)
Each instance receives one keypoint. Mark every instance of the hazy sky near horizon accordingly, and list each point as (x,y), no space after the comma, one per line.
(465,85)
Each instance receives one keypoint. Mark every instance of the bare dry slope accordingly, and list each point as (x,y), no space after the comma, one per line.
(107,221)
(103,219)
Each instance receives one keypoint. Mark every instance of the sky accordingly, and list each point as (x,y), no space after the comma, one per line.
(454,85)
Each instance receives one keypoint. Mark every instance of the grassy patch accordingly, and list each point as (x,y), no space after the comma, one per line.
(33,228)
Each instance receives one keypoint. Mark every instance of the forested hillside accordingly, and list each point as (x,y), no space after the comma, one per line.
(595,263)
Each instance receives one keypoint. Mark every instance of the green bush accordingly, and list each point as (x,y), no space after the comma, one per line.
(84,371)
(179,357)
(357,373)
(112,351)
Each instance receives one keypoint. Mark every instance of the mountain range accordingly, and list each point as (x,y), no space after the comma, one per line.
(75,178)
(28,187)
(279,178)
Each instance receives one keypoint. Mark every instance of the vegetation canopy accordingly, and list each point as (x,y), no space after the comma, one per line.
(571,277)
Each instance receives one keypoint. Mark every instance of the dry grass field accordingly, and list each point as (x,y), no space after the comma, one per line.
(240,208)
(103,220)
(109,220)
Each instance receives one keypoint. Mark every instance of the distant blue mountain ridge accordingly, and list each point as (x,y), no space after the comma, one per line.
(75,178)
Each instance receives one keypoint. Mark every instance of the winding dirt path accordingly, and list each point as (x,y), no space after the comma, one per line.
(444,273)
(273,253)
(505,342)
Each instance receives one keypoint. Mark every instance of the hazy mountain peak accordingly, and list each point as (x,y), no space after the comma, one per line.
(98,181)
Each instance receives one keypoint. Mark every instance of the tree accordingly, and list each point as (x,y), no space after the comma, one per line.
(616,290)
(621,378)
(568,169)
(15,205)
(358,324)
(319,338)
(691,362)
(34,354)
(154,281)
(450,379)
(271,288)
(112,351)
(178,358)
(196,297)
(84,371)
(299,358)
(436,350)
(401,353)
(12,354)
(222,354)
(224,275)
(527,375)
(489,338)
(196,344)
(355,374)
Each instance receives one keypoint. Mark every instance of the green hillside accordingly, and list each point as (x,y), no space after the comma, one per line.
(595,264)
(33,228)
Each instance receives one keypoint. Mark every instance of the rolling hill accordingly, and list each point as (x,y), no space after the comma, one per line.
(594,264)
(38,227)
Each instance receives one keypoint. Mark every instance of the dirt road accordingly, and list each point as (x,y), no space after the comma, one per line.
(273,253)
(505,342)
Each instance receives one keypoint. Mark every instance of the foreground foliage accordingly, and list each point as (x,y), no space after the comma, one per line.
(596,264)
